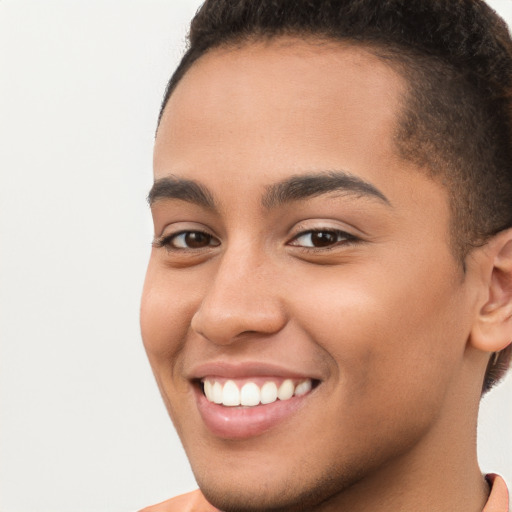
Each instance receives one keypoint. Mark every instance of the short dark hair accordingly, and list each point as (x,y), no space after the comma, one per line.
(456,123)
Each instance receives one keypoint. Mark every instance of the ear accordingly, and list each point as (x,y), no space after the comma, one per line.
(492,329)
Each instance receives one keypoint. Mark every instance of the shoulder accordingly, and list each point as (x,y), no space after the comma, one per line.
(190,502)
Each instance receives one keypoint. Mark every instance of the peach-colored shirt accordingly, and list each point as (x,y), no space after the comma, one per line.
(190,502)
(498,499)
(195,502)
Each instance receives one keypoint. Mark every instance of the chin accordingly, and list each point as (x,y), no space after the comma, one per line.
(297,491)
(258,500)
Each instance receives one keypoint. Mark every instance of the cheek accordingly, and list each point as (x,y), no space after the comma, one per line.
(391,333)
(166,310)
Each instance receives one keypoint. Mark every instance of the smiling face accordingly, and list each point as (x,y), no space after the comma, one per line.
(302,267)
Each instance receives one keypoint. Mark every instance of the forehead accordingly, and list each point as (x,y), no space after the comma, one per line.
(300,102)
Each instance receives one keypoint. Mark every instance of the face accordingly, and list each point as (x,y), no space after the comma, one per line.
(303,312)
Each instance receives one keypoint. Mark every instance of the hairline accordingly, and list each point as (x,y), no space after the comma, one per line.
(404,61)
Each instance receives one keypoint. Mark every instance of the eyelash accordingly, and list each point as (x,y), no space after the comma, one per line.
(343,238)
(166,241)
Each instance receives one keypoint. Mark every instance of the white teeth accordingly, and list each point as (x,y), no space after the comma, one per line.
(268,393)
(251,395)
(230,394)
(208,390)
(286,390)
(217,393)
(303,387)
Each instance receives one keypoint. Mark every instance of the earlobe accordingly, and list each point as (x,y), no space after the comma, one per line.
(492,330)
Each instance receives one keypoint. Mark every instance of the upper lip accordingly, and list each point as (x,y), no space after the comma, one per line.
(246,369)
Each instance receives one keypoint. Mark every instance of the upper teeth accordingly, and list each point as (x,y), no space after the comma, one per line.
(251,394)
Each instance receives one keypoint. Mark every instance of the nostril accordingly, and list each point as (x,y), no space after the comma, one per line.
(224,329)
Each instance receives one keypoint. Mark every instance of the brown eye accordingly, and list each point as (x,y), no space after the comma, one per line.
(196,239)
(188,240)
(320,239)
(323,238)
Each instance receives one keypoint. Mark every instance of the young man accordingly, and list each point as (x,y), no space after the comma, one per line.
(330,288)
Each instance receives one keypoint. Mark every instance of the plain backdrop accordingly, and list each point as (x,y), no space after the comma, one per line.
(83,428)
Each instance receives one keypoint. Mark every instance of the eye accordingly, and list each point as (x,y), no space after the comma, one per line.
(322,238)
(187,240)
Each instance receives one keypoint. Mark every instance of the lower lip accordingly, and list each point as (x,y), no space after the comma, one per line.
(245,422)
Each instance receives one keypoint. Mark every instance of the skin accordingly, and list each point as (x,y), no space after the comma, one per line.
(386,319)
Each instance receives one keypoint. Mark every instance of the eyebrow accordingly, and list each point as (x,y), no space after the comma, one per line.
(305,186)
(294,188)
(172,187)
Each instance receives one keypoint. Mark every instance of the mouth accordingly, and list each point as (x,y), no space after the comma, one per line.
(253,392)
(244,407)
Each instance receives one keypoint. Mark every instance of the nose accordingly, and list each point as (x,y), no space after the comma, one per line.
(242,299)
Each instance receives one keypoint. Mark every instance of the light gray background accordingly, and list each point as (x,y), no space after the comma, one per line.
(82,425)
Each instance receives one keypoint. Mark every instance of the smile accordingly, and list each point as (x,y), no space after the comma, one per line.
(246,401)
(251,393)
